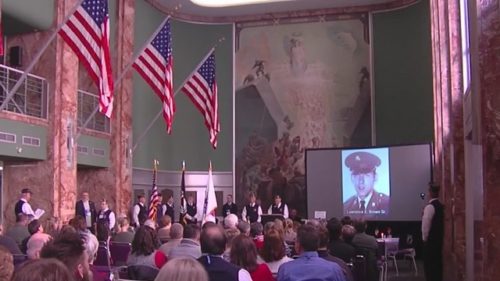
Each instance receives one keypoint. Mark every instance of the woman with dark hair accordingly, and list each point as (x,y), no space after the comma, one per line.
(273,252)
(144,249)
(244,254)
(43,270)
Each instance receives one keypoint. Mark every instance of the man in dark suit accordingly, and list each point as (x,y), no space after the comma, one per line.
(191,211)
(432,235)
(230,207)
(367,201)
(86,209)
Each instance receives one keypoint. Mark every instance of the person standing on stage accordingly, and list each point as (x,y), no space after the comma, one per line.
(251,213)
(230,207)
(169,207)
(23,205)
(86,209)
(432,235)
(105,214)
(191,211)
(140,212)
(278,207)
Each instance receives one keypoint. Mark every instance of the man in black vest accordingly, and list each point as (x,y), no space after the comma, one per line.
(23,205)
(432,235)
(86,209)
(169,207)
(213,244)
(140,212)
(106,215)
(278,207)
(229,207)
(191,210)
(251,213)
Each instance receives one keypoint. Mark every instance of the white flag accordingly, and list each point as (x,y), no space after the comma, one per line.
(210,201)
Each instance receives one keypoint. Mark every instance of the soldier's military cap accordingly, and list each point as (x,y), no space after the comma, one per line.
(362,162)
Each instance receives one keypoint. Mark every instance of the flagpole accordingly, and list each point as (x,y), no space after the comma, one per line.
(122,75)
(151,123)
(37,57)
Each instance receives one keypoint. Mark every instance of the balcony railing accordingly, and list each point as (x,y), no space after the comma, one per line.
(30,99)
(87,103)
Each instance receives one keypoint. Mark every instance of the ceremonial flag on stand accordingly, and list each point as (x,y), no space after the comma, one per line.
(153,199)
(154,64)
(201,88)
(183,210)
(210,205)
(87,33)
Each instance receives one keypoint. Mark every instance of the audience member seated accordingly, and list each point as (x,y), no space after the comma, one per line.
(244,228)
(176,233)
(346,221)
(361,239)
(53,226)
(164,230)
(6,264)
(182,269)
(68,248)
(124,235)
(256,231)
(244,254)
(103,233)
(273,252)
(323,253)
(230,221)
(144,249)
(190,244)
(213,243)
(290,234)
(43,270)
(338,247)
(9,243)
(37,240)
(367,246)
(309,266)
(231,233)
(90,240)
(19,232)
(278,225)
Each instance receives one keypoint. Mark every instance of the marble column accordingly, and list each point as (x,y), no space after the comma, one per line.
(53,181)
(449,130)
(489,78)
(115,183)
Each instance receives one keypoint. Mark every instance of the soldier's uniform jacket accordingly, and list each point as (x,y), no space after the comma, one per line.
(378,205)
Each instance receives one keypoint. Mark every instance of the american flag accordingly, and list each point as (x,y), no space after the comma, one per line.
(153,199)
(201,88)
(154,64)
(87,33)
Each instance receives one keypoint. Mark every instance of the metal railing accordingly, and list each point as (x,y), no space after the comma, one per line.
(30,99)
(87,102)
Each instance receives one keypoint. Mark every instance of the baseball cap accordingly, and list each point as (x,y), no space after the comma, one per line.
(26,190)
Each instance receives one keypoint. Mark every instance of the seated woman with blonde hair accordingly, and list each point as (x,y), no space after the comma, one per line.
(182,269)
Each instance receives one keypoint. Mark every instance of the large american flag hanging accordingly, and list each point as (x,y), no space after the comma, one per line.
(87,33)
(154,64)
(201,88)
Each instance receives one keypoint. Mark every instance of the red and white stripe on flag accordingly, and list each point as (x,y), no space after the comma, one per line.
(201,88)
(87,33)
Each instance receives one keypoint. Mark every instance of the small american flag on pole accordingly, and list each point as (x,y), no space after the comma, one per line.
(87,33)
(153,199)
(201,88)
(154,64)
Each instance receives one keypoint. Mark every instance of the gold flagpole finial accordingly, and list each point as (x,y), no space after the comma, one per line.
(183,165)
(156,163)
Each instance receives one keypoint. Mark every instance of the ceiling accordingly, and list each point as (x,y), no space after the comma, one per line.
(188,8)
